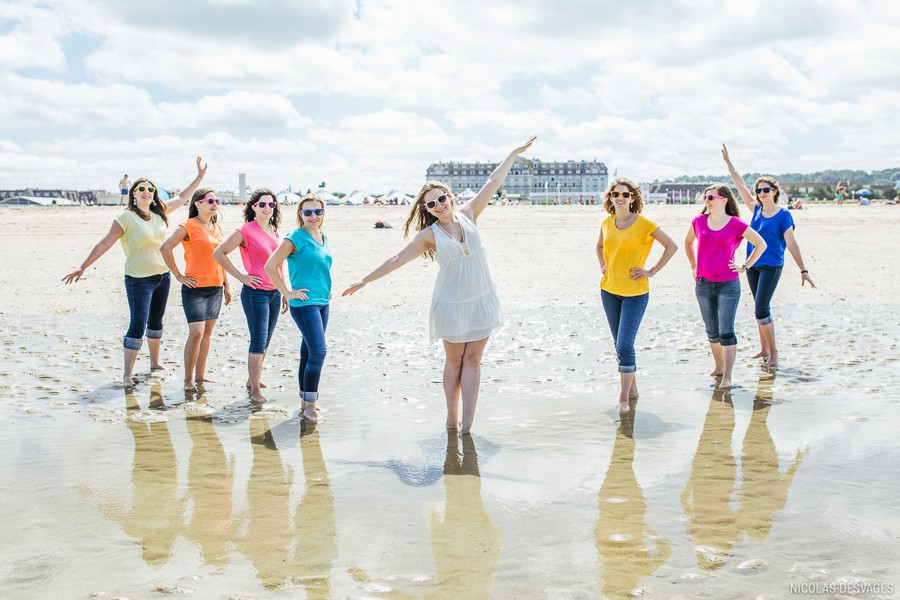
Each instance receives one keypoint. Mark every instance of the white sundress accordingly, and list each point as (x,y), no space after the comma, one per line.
(465,306)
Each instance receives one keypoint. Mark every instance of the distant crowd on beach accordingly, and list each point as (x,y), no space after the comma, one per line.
(290,272)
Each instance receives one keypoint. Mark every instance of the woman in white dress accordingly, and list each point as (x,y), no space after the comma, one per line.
(464,307)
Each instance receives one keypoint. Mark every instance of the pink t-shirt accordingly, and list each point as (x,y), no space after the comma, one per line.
(715,249)
(258,247)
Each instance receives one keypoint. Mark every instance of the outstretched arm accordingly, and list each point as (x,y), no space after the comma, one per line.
(419,245)
(187,192)
(114,233)
(473,207)
(742,189)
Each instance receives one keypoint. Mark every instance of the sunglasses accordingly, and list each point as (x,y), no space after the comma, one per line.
(308,212)
(210,200)
(764,190)
(625,195)
(144,188)
(713,197)
(267,205)
(439,200)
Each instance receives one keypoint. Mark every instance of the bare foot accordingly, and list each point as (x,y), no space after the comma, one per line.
(724,384)
(465,428)
(761,354)
(261,384)
(129,382)
(311,413)
(204,380)
(451,425)
(258,398)
(715,373)
(773,360)
(189,386)
(157,367)
(624,407)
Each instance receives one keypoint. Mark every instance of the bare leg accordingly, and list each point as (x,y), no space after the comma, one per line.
(627,382)
(128,379)
(453,364)
(191,350)
(470,382)
(254,369)
(768,333)
(154,344)
(203,353)
(763,347)
(728,355)
(716,349)
(259,374)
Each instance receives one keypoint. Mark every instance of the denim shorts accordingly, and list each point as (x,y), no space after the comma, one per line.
(203,303)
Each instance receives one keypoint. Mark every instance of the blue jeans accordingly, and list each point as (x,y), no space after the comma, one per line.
(624,314)
(312,321)
(718,305)
(261,309)
(763,281)
(147,298)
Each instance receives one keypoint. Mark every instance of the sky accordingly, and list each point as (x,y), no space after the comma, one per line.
(365,95)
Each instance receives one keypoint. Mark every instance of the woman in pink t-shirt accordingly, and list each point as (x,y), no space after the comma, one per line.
(718,232)
(257,238)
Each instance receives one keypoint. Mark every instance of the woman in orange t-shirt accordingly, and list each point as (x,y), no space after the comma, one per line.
(203,284)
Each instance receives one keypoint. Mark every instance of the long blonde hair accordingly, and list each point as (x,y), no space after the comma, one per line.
(419,213)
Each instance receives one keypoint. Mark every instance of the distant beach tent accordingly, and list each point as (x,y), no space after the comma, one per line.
(329,199)
(863,192)
(286,197)
(396,195)
(356,197)
(163,194)
(36,201)
(466,194)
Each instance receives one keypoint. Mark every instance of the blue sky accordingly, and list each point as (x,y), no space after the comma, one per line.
(365,95)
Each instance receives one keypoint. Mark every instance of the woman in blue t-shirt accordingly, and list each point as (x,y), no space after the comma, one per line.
(776,226)
(309,268)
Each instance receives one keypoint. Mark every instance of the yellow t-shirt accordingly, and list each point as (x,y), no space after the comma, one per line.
(141,242)
(624,250)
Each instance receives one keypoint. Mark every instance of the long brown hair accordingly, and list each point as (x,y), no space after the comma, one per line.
(156,205)
(637,199)
(731,205)
(249,215)
(193,211)
(771,181)
(419,214)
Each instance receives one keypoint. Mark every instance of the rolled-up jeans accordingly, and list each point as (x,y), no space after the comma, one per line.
(312,321)
(763,281)
(261,309)
(718,305)
(147,297)
(624,314)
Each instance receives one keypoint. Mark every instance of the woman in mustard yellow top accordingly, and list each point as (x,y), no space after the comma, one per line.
(622,249)
(203,284)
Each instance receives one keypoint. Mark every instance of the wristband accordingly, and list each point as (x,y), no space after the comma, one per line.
(804,272)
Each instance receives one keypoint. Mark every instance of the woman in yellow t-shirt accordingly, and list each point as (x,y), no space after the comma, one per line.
(141,228)
(622,249)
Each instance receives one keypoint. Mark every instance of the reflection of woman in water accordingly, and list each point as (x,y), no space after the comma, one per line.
(465,308)
(629,551)
(626,237)
(464,541)
(141,228)
(157,510)
(776,226)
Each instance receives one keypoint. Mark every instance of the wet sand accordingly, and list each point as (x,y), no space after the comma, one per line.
(788,479)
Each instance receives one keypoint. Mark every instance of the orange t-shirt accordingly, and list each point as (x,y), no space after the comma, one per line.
(198,254)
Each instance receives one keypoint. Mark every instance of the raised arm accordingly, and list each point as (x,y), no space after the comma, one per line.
(114,233)
(187,192)
(794,249)
(473,207)
(669,250)
(176,238)
(221,255)
(419,245)
(742,188)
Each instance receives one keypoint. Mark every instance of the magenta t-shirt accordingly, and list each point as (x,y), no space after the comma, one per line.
(258,247)
(715,249)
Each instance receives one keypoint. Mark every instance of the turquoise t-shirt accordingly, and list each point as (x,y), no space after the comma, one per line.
(309,267)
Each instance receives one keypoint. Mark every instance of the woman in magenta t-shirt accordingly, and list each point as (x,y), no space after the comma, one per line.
(718,232)
(257,238)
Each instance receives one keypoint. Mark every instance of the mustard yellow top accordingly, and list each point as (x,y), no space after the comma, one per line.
(624,250)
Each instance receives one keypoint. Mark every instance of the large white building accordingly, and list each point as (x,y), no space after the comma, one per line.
(529,179)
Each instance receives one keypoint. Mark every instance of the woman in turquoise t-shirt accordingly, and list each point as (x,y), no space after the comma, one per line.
(141,228)
(776,226)
(309,268)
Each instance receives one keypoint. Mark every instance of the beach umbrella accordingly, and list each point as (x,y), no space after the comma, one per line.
(863,192)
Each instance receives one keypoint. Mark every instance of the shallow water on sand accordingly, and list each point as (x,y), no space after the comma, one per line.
(788,479)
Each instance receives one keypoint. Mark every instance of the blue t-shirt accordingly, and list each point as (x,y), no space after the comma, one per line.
(309,267)
(772,230)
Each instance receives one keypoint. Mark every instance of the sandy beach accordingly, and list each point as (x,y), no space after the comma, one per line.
(787,482)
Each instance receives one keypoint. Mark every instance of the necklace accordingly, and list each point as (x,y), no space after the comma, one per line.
(208,224)
(463,243)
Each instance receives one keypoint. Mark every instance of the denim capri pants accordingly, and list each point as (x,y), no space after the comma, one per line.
(201,303)
(718,305)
